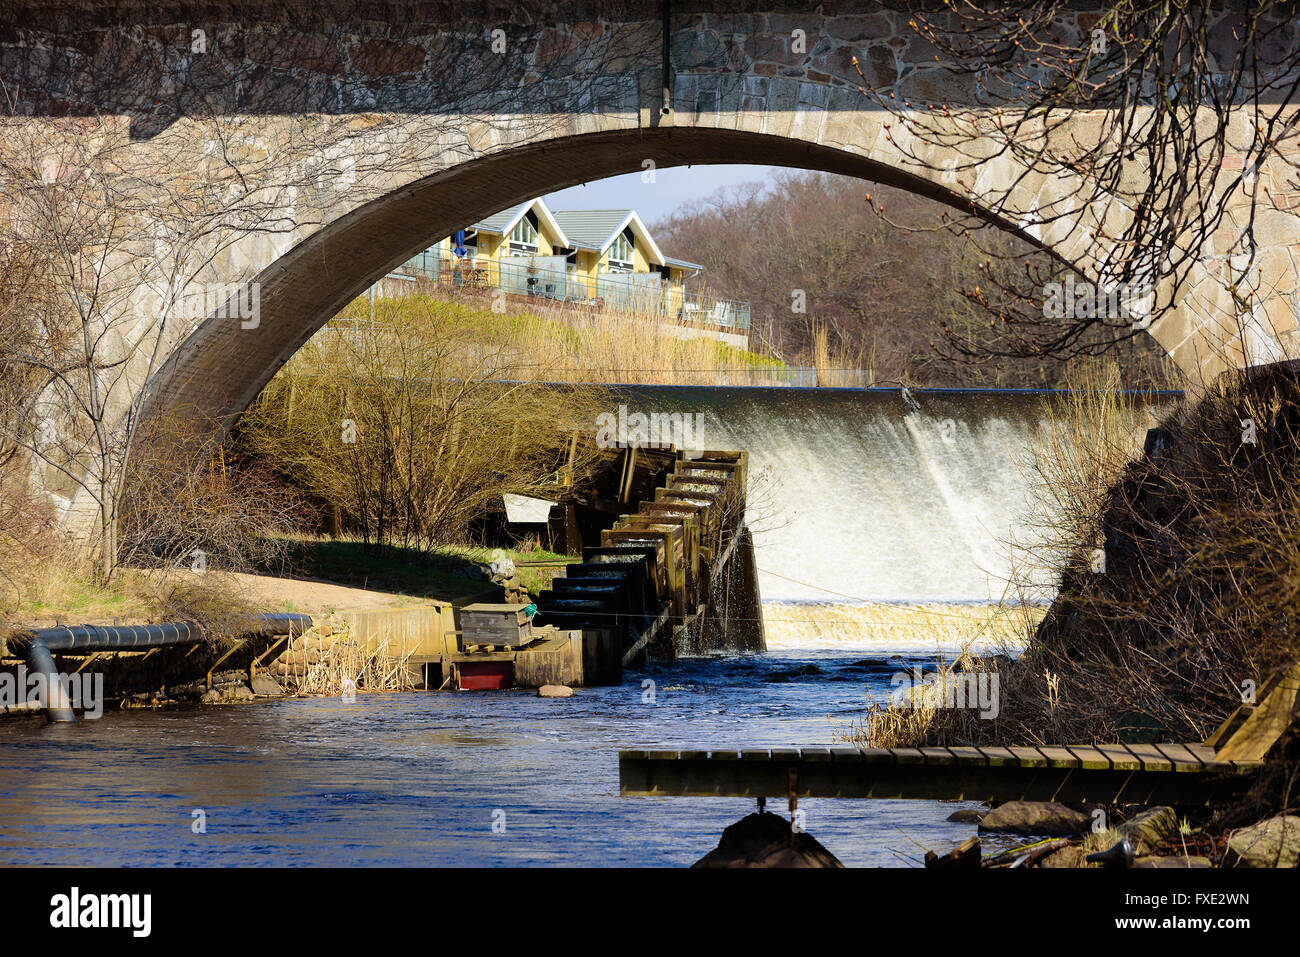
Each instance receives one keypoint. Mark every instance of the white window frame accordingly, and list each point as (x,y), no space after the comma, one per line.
(517,240)
(622,265)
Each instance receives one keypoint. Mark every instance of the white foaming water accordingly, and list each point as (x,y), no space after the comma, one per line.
(900,627)
(867,496)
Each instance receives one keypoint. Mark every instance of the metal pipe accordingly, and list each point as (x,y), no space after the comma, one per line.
(36,645)
(88,638)
(53,696)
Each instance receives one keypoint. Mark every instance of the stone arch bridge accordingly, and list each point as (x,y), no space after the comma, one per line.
(303,150)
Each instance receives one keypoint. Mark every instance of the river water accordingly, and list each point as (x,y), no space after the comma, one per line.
(883,528)
(420,778)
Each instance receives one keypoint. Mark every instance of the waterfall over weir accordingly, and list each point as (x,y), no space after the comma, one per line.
(879,515)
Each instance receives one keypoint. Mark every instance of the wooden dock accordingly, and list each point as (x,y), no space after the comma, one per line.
(1110,774)
(1218,769)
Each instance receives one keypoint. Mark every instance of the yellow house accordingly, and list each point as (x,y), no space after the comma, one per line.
(602,257)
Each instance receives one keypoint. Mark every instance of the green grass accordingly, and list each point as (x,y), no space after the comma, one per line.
(83,598)
(408,572)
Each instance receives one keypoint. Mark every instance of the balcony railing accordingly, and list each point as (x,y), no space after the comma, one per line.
(546,278)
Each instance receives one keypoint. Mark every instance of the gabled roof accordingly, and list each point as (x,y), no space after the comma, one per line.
(591,229)
(595,229)
(682,264)
(505,220)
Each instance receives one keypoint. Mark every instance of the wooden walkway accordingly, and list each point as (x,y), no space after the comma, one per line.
(1111,774)
(1176,774)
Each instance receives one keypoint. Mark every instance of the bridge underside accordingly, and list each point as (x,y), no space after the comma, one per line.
(223,366)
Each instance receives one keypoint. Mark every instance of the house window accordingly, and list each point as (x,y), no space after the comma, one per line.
(620,254)
(523,238)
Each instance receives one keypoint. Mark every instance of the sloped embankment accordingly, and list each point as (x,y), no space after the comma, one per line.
(1196,589)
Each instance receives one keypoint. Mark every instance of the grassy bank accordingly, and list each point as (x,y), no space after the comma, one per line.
(547,341)
(439,573)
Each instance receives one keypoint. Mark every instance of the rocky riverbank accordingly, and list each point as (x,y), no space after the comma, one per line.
(1153,837)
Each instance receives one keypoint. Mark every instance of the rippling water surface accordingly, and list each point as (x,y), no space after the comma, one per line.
(418,778)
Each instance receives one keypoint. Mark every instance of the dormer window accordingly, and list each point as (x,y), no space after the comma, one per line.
(621,255)
(523,238)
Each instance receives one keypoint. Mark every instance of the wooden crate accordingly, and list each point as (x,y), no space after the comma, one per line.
(504,625)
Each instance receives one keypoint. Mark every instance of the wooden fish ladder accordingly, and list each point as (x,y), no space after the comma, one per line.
(674,573)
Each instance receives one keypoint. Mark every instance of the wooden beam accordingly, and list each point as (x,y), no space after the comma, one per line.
(920,773)
(1266,723)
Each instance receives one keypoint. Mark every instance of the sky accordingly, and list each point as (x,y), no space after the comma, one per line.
(654,201)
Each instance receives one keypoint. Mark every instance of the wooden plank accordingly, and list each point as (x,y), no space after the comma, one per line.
(1120,757)
(851,756)
(1201,752)
(877,756)
(1211,758)
(1058,757)
(1230,726)
(1183,759)
(907,755)
(1000,757)
(938,756)
(1089,757)
(1028,757)
(1266,724)
(1151,758)
(817,755)
(969,756)
(724,755)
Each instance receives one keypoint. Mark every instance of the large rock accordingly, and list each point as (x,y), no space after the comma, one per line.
(1046,818)
(1152,827)
(265,686)
(1271,843)
(766,840)
(554,691)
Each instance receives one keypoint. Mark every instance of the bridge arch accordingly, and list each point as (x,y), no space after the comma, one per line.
(220,367)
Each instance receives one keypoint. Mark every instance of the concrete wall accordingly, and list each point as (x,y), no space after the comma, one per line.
(420,630)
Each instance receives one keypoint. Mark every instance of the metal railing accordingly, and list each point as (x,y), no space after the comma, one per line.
(645,293)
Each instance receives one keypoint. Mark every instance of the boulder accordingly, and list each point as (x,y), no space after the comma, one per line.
(555,691)
(1046,818)
(766,840)
(227,694)
(1271,843)
(967,815)
(266,686)
(1152,827)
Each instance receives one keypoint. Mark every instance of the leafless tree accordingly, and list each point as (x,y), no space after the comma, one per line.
(135,157)
(414,423)
(1175,111)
